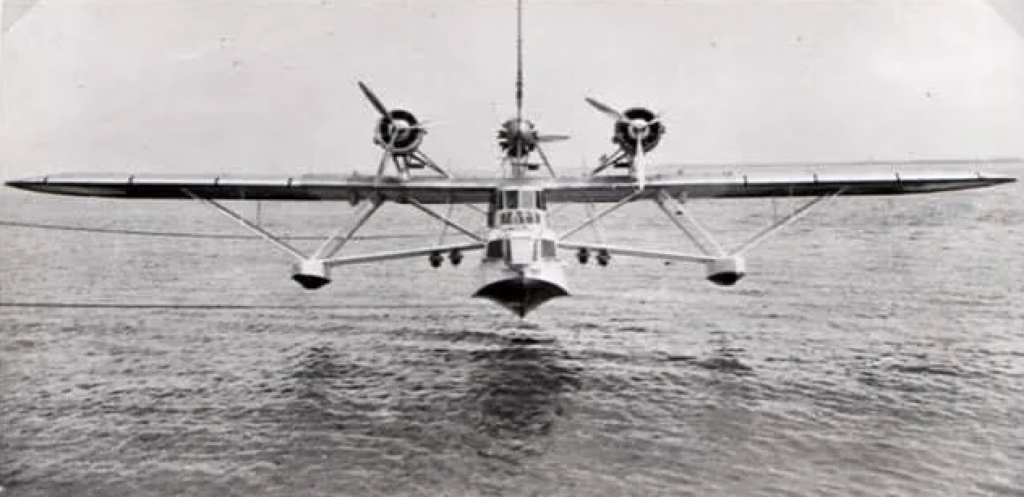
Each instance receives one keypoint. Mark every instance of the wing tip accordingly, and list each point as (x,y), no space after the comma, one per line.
(27,183)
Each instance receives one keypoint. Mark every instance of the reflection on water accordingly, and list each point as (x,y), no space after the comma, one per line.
(519,390)
(501,399)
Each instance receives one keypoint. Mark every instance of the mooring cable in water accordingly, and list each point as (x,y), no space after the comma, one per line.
(171,306)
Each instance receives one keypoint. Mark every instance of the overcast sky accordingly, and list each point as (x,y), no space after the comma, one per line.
(268,86)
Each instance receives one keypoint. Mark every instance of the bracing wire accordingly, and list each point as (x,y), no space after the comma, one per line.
(190,306)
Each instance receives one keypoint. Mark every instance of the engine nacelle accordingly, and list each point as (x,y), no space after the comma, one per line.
(517,138)
(639,123)
(400,131)
(727,270)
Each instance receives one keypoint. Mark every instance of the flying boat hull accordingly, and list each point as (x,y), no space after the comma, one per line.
(523,290)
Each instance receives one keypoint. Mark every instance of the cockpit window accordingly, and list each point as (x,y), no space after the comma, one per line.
(510,200)
(528,199)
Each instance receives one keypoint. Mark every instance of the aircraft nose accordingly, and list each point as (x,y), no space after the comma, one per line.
(521,294)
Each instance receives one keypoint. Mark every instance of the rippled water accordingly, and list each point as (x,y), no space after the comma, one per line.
(874,349)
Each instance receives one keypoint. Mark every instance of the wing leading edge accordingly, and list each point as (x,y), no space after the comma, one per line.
(793,180)
(790,180)
(234,187)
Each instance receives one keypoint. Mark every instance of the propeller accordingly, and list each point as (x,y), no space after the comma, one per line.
(638,130)
(396,122)
(636,127)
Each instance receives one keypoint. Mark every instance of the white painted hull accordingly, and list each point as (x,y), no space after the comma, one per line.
(522,289)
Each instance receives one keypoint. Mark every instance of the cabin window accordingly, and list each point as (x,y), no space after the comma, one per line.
(547,249)
(494,249)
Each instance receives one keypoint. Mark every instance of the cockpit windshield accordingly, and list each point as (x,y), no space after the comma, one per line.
(521,199)
(520,207)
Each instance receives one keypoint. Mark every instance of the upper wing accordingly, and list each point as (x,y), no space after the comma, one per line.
(786,180)
(225,187)
(706,181)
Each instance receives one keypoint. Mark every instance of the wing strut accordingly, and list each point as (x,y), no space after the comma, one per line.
(723,267)
(333,244)
(314,271)
(681,217)
(400,254)
(444,219)
(597,217)
(782,223)
(266,235)
(598,231)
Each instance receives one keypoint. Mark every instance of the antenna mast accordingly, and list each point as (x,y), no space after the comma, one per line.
(519,60)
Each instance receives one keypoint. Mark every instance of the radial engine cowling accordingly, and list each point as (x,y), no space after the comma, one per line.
(639,123)
(517,138)
(400,132)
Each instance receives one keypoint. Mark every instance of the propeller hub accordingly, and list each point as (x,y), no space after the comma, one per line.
(517,137)
(400,131)
(637,130)
(520,127)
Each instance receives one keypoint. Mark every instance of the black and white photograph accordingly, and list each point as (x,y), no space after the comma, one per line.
(511,248)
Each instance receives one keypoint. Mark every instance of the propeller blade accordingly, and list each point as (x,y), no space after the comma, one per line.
(384,159)
(373,99)
(551,138)
(425,125)
(640,164)
(602,167)
(605,109)
(547,163)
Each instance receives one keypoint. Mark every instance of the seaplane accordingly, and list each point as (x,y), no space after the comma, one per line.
(523,259)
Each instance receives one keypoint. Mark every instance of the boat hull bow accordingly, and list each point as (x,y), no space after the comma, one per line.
(521,294)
